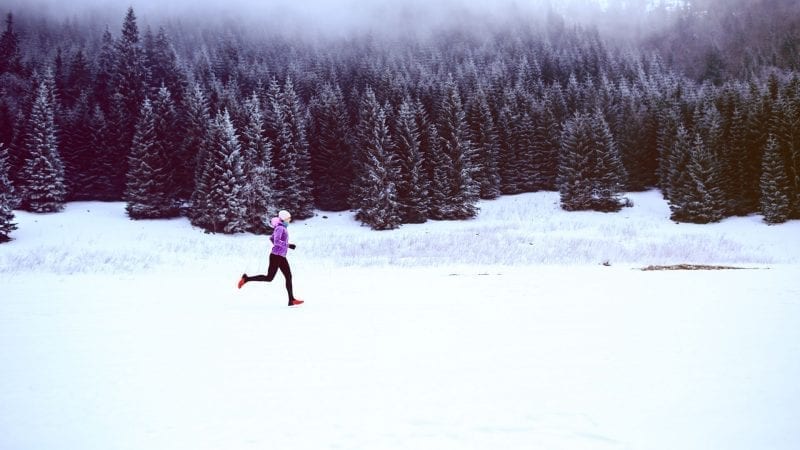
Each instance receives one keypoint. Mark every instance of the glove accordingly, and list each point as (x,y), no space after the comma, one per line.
(292,246)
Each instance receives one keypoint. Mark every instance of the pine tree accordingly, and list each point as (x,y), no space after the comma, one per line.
(103,81)
(10,58)
(775,186)
(574,168)
(100,178)
(463,192)
(666,145)
(79,79)
(148,188)
(219,200)
(439,186)
(127,88)
(196,122)
(741,189)
(286,126)
(789,105)
(332,155)
(375,192)
(411,182)
(483,135)
(591,175)
(298,193)
(43,173)
(6,198)
(76,150)
(676,173)
(546,143)
(7,119)
(258,170)
(610,175)
(510,182)
(525,141)
(6,186)
(169,143)
(704,201)
(161,65)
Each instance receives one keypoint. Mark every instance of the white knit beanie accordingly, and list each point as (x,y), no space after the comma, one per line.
(284,215)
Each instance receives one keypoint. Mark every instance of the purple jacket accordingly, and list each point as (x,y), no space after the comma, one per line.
(280,239)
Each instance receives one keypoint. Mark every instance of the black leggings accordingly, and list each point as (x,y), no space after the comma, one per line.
(277,262)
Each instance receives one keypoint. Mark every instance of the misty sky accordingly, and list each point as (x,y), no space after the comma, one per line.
(327,16)
(338,17)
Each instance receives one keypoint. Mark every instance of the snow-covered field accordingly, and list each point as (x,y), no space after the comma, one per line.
(504,332)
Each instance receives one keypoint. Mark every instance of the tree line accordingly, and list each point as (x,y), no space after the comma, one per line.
(227,127)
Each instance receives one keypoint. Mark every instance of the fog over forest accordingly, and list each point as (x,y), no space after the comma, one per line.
(348,17)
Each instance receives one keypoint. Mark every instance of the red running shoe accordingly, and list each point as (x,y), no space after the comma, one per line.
(295,302)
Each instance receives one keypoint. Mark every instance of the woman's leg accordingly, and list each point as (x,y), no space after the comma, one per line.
(287,273)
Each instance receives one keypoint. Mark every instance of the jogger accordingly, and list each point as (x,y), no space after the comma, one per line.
(277,258)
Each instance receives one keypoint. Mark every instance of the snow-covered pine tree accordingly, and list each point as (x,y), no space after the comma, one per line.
(100,174)
(574,168)
(222,208)
(375,192)
(775,186)
(704,202)
(196,122)
(127,89)
(546,144)
(77,151)
(7,119)
(510,180)
(332,155)
(525,140)
(273,111)
(148,173)
(298,194)
(129,74)
(79,79)
(463,191)
(283,159)
(258,169)
(411,183)
(573,95)
(285,125)
(10,56)
(668,163)
(161,65)
(6,198)
(6,186)
(169,142)
(104,72)
(590,173)
(742,189)
(43,188)
(442,166)
(429,148)
(610,174)
(784,127)
(483,135)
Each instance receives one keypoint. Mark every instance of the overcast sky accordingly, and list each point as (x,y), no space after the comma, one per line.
(321,15)
(327,17)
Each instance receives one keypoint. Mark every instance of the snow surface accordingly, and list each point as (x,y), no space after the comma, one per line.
(504,332)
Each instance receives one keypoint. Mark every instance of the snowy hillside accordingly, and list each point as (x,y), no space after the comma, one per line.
(504,332)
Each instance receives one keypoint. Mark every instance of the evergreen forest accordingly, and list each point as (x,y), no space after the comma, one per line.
(226,126)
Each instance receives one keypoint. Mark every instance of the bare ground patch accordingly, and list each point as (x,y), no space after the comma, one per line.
(693,267)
